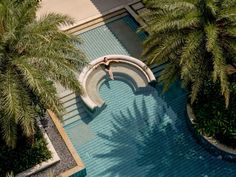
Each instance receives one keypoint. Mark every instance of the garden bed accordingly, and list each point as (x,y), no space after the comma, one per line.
(214,124)
(67,161)
(25,155)
(213,119)
(211,144)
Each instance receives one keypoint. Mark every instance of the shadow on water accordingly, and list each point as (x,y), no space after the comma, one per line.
(119,36)
(124,30)
(83,110)
(154,142)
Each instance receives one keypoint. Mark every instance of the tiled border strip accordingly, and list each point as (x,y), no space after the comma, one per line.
(80,166)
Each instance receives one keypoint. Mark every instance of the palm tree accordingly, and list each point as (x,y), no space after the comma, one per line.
(195,38)
(34,55)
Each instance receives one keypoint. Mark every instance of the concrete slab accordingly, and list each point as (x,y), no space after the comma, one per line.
(80,10)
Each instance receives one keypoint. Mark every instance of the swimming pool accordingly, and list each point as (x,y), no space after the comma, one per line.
(145,134)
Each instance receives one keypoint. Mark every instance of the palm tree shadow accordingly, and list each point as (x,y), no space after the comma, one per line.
(135,140)
(150,143)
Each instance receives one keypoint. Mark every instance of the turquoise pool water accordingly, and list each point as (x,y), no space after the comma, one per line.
(144,135)
(138,135)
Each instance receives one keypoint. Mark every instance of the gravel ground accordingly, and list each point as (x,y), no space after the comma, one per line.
(66,160)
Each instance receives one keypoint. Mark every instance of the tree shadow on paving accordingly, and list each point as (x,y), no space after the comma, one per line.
(152,143)
(104,5)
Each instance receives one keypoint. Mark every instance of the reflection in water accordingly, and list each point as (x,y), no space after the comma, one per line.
(107,83)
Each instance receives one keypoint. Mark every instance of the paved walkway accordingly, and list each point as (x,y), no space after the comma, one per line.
(81,10)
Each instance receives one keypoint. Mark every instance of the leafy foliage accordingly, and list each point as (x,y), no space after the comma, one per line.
(24,156)
(197,39)
(212,118)
(34,55)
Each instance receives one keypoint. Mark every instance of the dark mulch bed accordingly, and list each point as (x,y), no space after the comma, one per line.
(66,162)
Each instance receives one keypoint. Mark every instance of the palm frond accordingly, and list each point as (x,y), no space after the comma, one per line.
(9,130)
(53,21)
(196,86)
(10,95)
(169,4)
(15,108)
(212,36)
(163,49)
(27,121)
(190,20)
(228,13)
(42,87)
(212,6)
(192,43)
(221,73)
(228,4)
(62,75)
(206,41)
(34,54)
(168,75)
(231,31)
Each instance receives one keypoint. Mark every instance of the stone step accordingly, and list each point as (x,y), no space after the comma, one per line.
(72,107)
(74,113)
(65,93)
(72,120)
(73,101)
(68,98)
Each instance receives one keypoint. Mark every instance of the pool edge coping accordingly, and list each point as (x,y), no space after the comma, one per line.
(103,17)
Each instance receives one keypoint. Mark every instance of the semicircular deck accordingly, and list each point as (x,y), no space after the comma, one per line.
(132,70)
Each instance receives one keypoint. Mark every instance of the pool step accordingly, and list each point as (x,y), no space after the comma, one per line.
(65,93)
(157,69)
(71,121)
(74,108)
(80,111)
(68,97)
(75,116)
(75,100)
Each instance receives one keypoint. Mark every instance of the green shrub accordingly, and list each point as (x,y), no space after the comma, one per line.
(27,154)
(213,118)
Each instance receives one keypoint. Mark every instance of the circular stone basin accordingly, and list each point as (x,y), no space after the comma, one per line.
(129,69)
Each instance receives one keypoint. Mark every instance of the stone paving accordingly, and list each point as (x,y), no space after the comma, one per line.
(80,10)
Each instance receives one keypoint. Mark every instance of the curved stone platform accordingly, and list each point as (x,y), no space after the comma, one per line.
(130,69)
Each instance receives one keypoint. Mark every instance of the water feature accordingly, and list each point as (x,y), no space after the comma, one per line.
(145,134)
